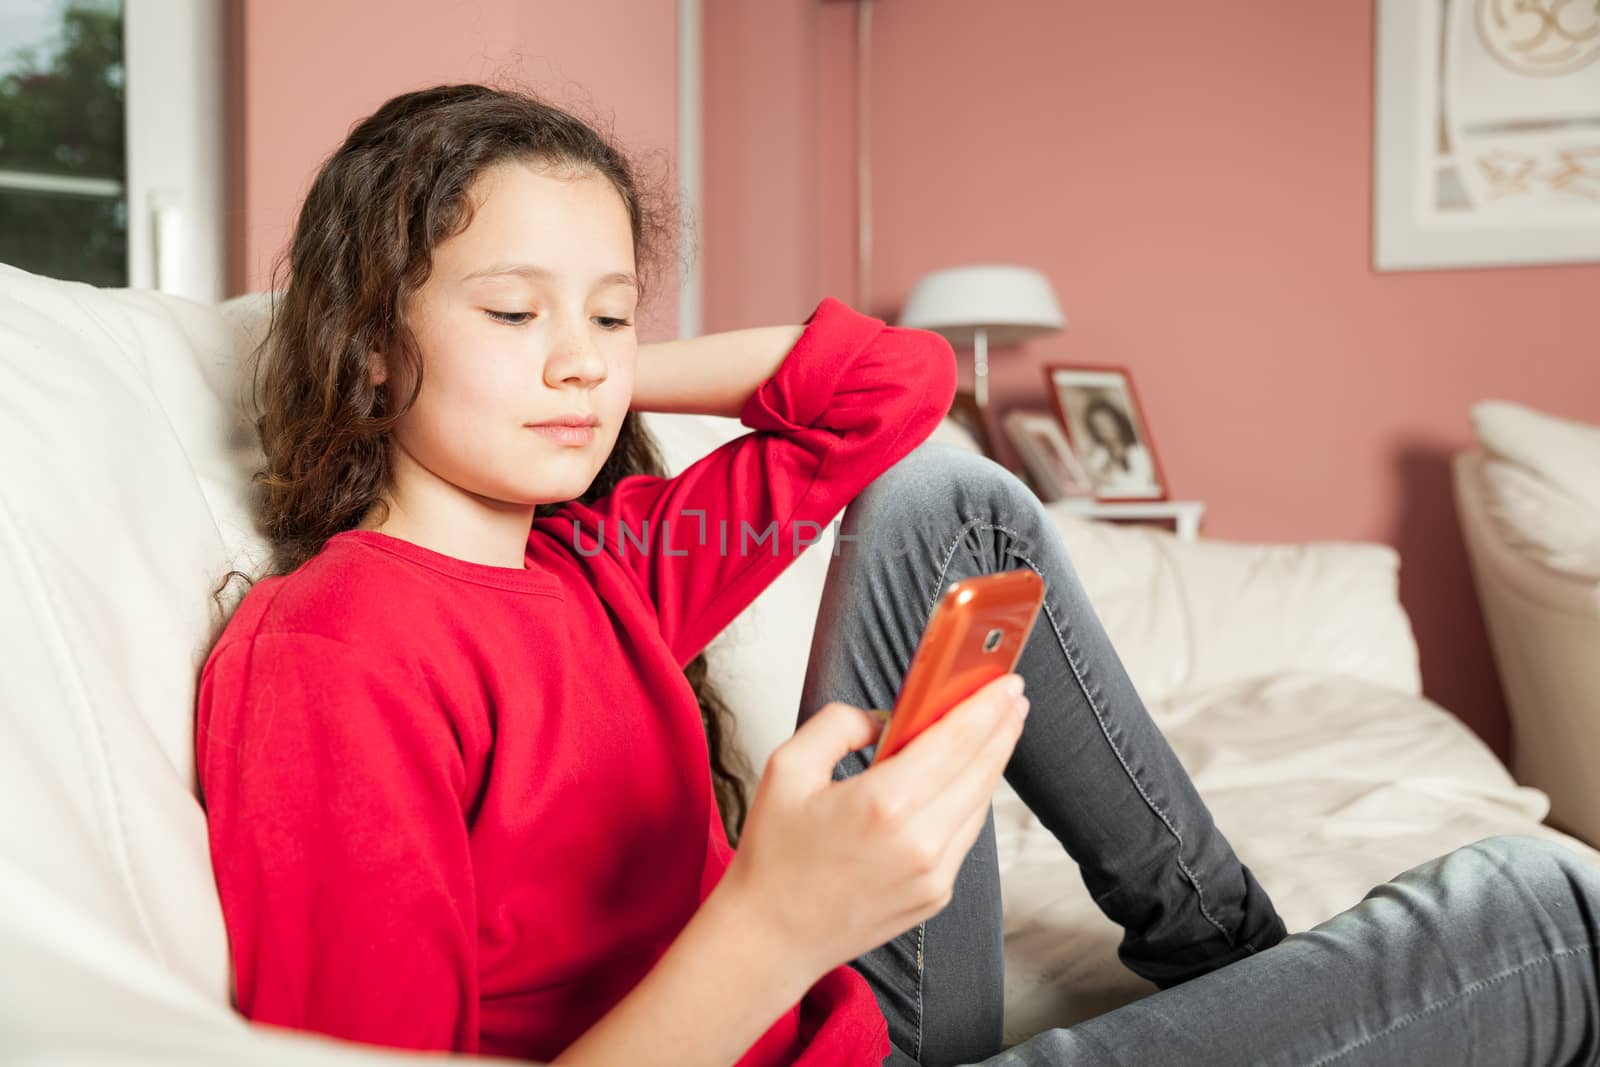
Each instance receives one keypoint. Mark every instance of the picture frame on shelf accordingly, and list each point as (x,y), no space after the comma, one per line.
(1099,409)
(1047,457)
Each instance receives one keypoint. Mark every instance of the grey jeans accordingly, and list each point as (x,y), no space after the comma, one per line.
(1485,955)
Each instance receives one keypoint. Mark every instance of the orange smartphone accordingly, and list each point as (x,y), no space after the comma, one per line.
(975,635)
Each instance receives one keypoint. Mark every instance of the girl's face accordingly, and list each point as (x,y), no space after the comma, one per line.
(527,316)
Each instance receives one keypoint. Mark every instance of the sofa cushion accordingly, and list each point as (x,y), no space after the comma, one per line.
(1185,615)
(125,478)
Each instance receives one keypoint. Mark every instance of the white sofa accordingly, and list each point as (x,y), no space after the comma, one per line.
(1285,675)
(1528,498)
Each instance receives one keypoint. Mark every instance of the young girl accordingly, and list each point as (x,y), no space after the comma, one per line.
(468,788)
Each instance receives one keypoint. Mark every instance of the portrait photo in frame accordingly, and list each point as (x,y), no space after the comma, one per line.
(1107,430)
(1047,458)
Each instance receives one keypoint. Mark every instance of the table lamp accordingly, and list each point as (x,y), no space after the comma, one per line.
(981,305)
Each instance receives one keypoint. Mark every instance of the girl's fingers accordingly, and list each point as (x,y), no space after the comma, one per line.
(835,730)
(931,762)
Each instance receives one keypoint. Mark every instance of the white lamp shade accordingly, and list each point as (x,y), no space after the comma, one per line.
(1011,304)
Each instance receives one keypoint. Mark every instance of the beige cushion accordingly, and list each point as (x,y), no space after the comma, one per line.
(1563,451)
(1541,520)
(1541,481)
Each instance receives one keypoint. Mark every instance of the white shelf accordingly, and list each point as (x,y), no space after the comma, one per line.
(1184,514)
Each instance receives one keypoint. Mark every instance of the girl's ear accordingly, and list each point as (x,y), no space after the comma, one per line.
(377,367)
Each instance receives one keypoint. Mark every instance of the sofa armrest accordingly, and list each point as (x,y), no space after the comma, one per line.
(1544,628)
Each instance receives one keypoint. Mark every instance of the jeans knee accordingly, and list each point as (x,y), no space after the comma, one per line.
(1523,851)
(943,475)
(984,503)
(1541,862)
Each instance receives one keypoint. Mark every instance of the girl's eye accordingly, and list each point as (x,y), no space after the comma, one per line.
(522,317)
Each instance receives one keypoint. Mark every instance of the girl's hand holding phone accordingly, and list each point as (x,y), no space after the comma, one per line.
(835,869)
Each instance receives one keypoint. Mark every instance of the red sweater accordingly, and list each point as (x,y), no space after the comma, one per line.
(454,805)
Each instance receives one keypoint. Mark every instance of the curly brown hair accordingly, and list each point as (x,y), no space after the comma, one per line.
(362,246)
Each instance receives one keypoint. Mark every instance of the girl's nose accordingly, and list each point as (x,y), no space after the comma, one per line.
(575,359)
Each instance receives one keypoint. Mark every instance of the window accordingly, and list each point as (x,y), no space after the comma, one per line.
(111,142)
(63,169)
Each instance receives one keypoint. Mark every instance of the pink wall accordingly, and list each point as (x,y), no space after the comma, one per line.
(1195,180)
(305,71)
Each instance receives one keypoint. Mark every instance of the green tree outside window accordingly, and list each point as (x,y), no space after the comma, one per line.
(63,164)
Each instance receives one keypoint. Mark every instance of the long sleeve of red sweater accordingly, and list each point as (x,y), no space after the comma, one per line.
(850,399)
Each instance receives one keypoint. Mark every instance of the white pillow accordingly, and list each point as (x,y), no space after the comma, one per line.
(1541,520)
(1185,615)
(1564,452)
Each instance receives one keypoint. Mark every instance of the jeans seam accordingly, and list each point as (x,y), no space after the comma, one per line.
(1094,706)
(917,1052)
(1476,987)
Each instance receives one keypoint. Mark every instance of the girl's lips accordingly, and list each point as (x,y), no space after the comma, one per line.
(566,435)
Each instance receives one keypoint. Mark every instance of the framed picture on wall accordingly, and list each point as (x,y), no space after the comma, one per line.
(1106,427)
(1047,457)
(1484,144)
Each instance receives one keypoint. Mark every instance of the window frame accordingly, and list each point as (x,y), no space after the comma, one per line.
(174,96)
